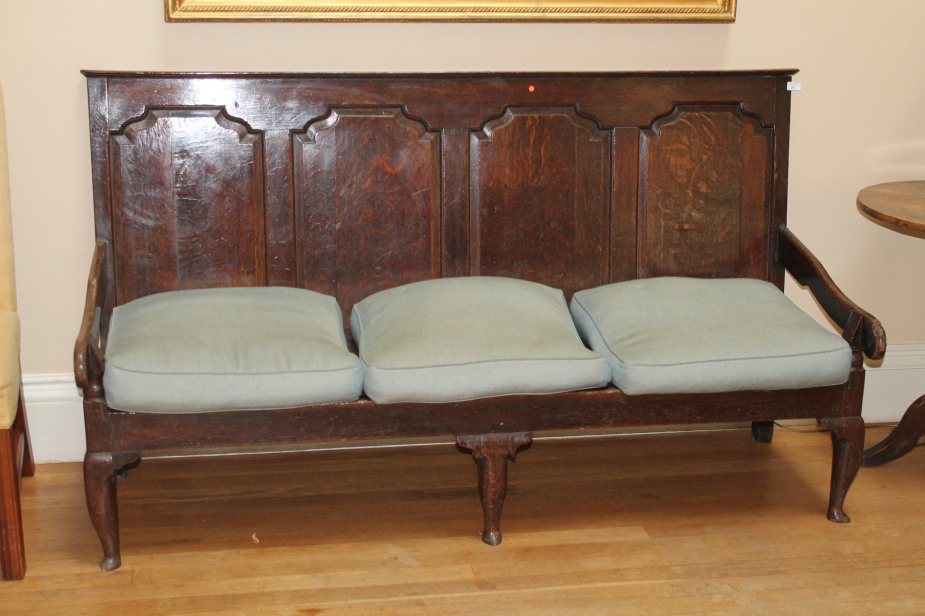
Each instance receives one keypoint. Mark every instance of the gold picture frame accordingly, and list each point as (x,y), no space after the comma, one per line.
(665,11)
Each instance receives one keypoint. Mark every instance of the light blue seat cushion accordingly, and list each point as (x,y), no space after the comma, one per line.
(457,339)
(685,335)
(229,349)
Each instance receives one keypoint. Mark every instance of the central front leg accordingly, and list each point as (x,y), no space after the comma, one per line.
(491,453)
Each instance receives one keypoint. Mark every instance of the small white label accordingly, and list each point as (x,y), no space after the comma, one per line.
(794,85)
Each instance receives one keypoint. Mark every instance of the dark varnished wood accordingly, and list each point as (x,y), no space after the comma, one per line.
(16,461)
(202,196)
(763,432)
(100,473)
(539,181)
(367,206)
(860,328)
(23,439)
(556,152)
(89,348)
(491,453)
(603,408)
(12,547)
(350,184)
(704,215)
(847,447)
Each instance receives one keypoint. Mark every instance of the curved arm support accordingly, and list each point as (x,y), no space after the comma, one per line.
(860,328)
(88,350)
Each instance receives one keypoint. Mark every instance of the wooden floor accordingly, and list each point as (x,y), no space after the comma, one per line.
(696,523)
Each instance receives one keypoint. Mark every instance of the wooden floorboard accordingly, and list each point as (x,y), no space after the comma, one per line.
(702,523)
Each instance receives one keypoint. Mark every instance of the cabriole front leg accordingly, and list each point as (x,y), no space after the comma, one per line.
(491,453)
(847,448)
(100,471)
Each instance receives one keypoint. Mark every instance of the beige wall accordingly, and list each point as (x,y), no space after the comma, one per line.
(858,120)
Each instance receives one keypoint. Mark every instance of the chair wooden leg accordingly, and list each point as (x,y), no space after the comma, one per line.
(12,546)
(491,453)
(100,471)
(762,432)
(847,447)
(21,428)
(100,486)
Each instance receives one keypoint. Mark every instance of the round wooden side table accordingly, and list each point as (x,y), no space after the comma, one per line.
(899,206)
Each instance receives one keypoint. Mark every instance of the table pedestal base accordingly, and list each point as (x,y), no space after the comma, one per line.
(901,440)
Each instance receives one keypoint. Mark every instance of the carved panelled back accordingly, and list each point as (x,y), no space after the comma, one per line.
(349,184)
(187,202)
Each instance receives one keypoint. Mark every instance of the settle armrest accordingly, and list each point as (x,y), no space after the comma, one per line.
(88,350)
(860,328)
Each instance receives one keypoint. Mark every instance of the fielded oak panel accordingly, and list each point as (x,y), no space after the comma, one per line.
(187,203)
(540,198)
(565,179)
(704,194)
(367,204)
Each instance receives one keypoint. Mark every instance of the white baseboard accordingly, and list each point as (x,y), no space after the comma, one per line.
(56,421)
(56,411)
(892,386)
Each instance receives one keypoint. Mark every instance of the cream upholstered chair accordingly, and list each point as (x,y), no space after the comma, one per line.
(15,449)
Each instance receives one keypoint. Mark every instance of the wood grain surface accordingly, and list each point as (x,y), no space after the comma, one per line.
(897,205)
(691,523)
